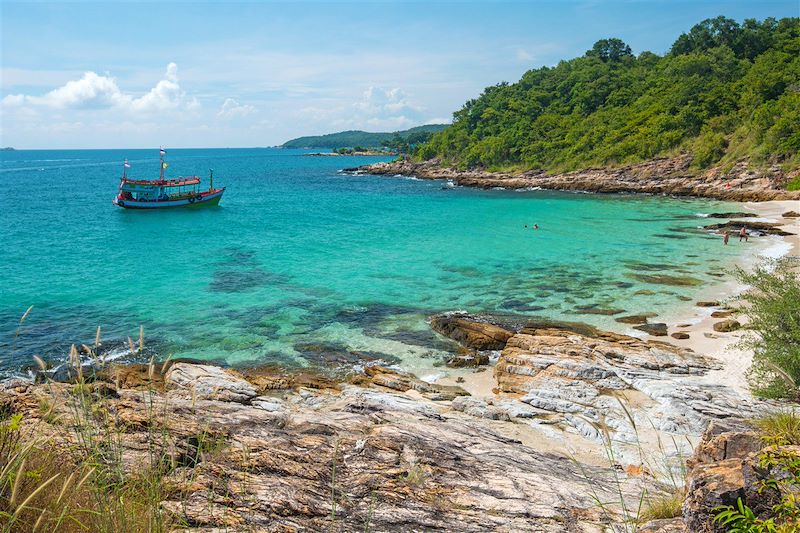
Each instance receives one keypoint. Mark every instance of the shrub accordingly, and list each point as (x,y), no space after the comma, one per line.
(779,428)
(772,306)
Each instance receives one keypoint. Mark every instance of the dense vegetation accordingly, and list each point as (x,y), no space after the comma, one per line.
(724,91)
(772,306)
(351,139)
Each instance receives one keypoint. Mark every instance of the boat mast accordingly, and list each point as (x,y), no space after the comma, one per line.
(125,166)
(211,180)
(161,160)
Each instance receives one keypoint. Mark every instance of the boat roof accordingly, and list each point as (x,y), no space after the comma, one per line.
(177,182)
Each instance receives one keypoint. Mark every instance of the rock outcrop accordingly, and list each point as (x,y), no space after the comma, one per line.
(470,331)
(595,382)
(664,175)
(731,464)
(364,457)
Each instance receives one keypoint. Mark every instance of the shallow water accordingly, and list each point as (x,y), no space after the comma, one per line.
(301,263)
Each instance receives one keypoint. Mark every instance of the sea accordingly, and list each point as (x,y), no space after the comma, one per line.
(303,264)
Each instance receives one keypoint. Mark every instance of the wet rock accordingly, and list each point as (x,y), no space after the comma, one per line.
(658,329)
(472,359)
(727,325)
(712,303)
(209,382)
(680,335)
(595,310)
(471,332)
(664,279)
(767,228)
(632,319)
(721,314)
(732,214)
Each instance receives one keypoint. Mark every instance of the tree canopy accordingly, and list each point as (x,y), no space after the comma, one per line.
(724,91)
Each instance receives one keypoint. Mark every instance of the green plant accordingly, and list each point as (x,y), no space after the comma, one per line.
(779,428)
(772,307)
(785,515)
(794,184)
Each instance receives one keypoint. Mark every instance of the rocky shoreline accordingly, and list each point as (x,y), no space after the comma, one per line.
(385,451)
(664,175)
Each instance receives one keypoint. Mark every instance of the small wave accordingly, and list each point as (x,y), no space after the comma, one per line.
(702,215)
(498,188)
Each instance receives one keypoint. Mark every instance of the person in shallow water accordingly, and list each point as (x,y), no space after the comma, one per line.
(743,234)
(727,235)
(536,226)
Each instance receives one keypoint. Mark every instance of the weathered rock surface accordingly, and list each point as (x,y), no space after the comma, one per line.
(727,325)
(791,214)
(470,331)
(711,485)
(581,379)
(731,463)
(658,329)
(632,319)
(664,175)
(680,335)
(209,382)
(363,458)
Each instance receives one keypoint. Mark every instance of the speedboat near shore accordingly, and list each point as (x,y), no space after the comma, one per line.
(165,193)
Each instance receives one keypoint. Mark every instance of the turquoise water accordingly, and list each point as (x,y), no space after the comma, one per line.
(301,263)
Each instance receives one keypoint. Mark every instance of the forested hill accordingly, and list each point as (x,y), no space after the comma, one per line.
(351,139)
(724,91)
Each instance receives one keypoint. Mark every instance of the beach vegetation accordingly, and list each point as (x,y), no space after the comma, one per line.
(724,91)
(772,309)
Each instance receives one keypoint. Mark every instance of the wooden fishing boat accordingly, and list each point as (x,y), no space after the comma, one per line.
(164,193)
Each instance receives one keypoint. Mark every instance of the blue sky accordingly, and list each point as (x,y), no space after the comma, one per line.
(191,74)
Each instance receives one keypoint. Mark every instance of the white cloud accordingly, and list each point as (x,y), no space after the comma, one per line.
(93,91)
(231,109)
(524,55)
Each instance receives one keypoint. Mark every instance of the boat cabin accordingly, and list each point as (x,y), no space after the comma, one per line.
(153,191)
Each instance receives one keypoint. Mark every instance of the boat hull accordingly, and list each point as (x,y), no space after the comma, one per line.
(206,200)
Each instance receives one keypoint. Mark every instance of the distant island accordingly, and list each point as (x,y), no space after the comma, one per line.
(364,140)
(8,149)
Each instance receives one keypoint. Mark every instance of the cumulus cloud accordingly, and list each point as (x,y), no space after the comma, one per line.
(231,109)
(93,91)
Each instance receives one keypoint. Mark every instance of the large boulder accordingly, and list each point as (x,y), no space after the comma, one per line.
(711,485)
(209,382)
(471,332)
(727,325)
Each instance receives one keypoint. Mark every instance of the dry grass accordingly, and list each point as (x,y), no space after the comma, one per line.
(63,469)
(666,506)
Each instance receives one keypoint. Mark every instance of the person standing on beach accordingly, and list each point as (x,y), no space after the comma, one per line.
(743,234)
(727,235)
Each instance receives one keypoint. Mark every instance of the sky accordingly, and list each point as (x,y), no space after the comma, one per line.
(240,74)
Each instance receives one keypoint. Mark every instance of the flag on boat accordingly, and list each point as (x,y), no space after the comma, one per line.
(127,165)
(163,152)
(164,165)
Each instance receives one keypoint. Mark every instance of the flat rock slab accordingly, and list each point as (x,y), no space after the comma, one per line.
(209,382)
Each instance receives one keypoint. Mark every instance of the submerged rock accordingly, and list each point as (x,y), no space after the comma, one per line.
(664,279)
(659,329)
(632,319)
(680,335)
